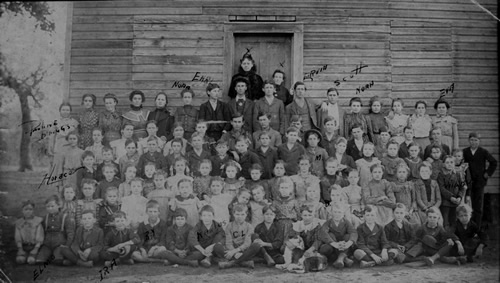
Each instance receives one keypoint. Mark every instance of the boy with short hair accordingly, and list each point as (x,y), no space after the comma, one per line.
(246,157)
(372,242)
(240,104)
(207,238)
(239,247)
(237,131)
(269,236)
(291,151)
(108,208)
(221,158)
(177,241)
(404,147)
(400,234)
(268,156)
(274,108)
(87,244)
(355,145)
(472,237)
(120,242)
(255,180)
(195,156)
(151,156)
(264,120)
(107,159)
(118,146)
(152,235)
(215,110)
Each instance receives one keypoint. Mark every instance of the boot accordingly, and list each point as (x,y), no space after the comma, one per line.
(449,259)
(348,262)
(85,263)
(388,262)
(339,263)
(206,262)
(249,264)
(269,260)
(226,264)
(430,260)
(364,264)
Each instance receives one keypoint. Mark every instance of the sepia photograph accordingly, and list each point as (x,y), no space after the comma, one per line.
(249,141)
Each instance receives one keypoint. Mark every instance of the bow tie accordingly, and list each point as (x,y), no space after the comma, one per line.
(240,101)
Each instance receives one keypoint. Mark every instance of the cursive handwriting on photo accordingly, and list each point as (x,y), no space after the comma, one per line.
(36,274)
(50,178)
(46,129)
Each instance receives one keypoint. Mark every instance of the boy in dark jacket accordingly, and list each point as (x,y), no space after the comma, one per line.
(217,111)
(400,234)
(177,241)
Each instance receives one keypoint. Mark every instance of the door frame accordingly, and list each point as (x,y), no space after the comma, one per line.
(296,30)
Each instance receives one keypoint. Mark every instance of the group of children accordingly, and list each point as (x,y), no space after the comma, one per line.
(296,203)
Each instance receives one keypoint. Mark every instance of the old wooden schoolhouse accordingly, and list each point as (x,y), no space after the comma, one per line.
(410,49)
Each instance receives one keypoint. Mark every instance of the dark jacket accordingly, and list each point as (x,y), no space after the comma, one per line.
(115,237)
(246,162)
(353,151)
(152,236)
(471,232)
(221,113)
(248,117)
(199,235)
(164,121)
(333,233)
(477,164)
(267,160)
(405,236)
(372,242)
(94,240)
(187,115)
(450,185)
(177,237)
(254,90)
(274,236)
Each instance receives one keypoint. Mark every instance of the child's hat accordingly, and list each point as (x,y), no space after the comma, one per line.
(313,132)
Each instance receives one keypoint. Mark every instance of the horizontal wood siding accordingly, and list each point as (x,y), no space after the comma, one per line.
(413,49)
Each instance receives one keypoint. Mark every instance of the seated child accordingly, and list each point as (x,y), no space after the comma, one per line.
(338,237)
(372,242)
(177,241)
(59,231)
(472,237)
(436,242)
(257,203)
(436,161)
(427,192)
(364,164)
(120,242)
(452,191)
(400,234)
(161,195)
(220,201)
(29,234)
(88,202)
(152,234)
(379,193)
(239,247)
(243,197)
(107,209)
(201,184)
(269,236)
(312,201)
(391,161)
(207,238)
(288,208)
(404,192)
(187,201)
(231,184)
(303,256)
(87,244)
(134,205)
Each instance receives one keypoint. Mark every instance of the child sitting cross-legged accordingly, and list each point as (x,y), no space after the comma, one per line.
(472,237)
(87,244)
(120,242)
(269,236)
(239,247)
(152,234)
(401,235)
(29,234)
(220,201)
(177,241)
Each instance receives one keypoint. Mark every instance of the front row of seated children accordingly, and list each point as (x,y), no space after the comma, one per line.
(289,237)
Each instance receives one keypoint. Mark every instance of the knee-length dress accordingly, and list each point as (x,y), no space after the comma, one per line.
(88,120)
(375,189)
(110,123)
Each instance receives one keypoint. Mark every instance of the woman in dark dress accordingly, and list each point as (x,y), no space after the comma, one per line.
(88,120)
(164,120)
(110,120)
(248,70)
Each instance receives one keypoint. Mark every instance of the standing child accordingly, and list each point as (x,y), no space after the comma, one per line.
(404,192)
(180,171)
(377,118)
(338,237)
(246,157)
(231,184)
(178,135)
(396,120)
(354,146)
(118,146)
(383,142)
(268,156)
(278,172)
(332,176)
(269,236)
(318,155)
(291,151)
(187,114)
(69,202)
(124,189)
(372,242)
(220,158)
(255,180)
(131,157)
(208,142)
(421,123)
(272,107)
(152,233)
(134,205)
(176,152)
(110,180)
(364,164)
(436,161)
(357,118)
(404,147)
(148,184)
(207,238)
(282,93)
(330,110)
(400,234)
(353,194)
(88,243)
(217,111)
(413,161)
(152,129)
(187,201)
(436,141)
(473,238)
(195,156)
(427,191)
(257,203)
(152,156)
(288,208)
(462,168)
(120,242)
(89,201)
(345,160)
(161,195)
(452,191)
(29,234)
(219,201)
(379,193)
(329,139)
(107,159)
(239,249)
(391,161)
(59,231)
(88,172)
(97,145)
(201,184)
(312,201)
(304,179)
(71,158)
(107,209)
(176,241)
(264,120)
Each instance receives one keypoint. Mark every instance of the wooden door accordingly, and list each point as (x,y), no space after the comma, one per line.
(270,52)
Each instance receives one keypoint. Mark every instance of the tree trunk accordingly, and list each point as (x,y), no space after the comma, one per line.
(25,150)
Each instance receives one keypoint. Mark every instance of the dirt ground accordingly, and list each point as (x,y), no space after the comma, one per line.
(22,185)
